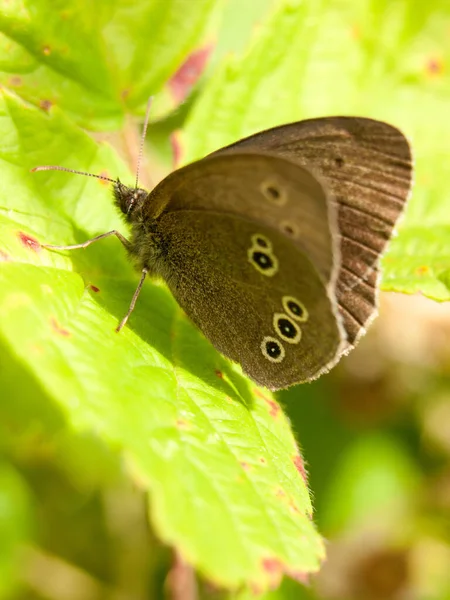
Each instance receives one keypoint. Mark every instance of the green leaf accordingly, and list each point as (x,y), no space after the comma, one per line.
(379,58)
(15,526)
(217,454)
(97,64)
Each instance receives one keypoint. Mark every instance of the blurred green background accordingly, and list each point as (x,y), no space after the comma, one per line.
(375,433)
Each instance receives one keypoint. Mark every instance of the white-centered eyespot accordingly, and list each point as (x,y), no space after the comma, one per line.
(264,261)
(286,328)
(272,349)
(261,241)
(295,308)
(274,191)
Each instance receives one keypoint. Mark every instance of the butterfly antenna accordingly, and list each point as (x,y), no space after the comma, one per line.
(57,168)
(144,132)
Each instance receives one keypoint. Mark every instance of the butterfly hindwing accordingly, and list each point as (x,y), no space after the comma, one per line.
(254,295)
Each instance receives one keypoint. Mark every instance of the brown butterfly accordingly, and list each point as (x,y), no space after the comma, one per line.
(272,245)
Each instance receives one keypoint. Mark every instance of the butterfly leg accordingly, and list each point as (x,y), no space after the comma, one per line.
(87,243)
(133,301)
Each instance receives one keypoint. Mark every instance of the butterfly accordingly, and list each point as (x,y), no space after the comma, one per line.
(272,245)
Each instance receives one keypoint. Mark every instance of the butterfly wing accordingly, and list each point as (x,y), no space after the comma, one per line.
(260,296)
(367,167)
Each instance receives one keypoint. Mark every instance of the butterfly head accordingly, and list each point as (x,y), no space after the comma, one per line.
(129,200)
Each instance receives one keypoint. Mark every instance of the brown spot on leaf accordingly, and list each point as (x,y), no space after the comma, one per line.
(4,257)
(299,465)
(219,373)
(94,288)
(187,75)
(15,81)
(262,460)
(46,51)
(245,465)
(29,242)
(182,424)
(57,328)
(45,105)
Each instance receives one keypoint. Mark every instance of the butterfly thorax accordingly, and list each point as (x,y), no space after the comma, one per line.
(147,244)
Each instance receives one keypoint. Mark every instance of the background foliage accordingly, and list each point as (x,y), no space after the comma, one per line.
(90,421)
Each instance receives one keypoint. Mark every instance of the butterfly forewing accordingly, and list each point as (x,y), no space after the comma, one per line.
(262,188)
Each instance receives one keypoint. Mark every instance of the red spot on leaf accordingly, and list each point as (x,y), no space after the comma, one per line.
(275,570)
(274,409)
(187,75)
(176,148)
(94,288)
(219,374)
(435,66)
(15,81)
(272,565)
(29,242)
(299,576)
(45,105)
(300,466)
(58,328)
(46,50)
